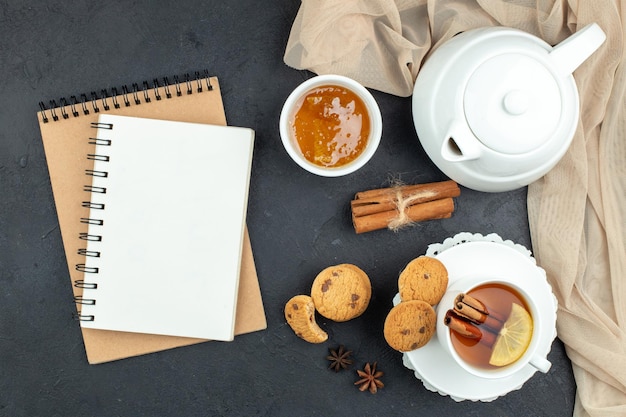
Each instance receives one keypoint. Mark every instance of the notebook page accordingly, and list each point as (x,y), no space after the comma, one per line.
(172,227)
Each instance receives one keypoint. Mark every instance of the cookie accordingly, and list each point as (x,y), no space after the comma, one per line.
(410,325)
(300,315)
(424,278)
(341,292)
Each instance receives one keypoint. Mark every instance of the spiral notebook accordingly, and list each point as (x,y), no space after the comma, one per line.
(167,207)
(64,126)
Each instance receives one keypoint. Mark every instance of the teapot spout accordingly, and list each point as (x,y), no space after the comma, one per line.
(459,145)
(573,51)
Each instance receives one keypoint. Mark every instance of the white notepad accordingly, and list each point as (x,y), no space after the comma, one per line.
(168,204)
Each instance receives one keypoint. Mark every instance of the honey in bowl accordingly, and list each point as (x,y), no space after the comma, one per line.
(331,125)
(504,334)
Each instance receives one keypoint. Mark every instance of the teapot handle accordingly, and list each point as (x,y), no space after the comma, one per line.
(459,145)
(573,51)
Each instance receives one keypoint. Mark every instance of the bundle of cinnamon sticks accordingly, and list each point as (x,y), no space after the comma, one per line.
(398,206)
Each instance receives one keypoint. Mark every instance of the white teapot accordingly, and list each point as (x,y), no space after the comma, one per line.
(496,108)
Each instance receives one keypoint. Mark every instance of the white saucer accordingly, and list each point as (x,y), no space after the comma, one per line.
(465,255)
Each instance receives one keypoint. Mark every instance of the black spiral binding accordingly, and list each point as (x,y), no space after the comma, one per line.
(134,95)
(94,207)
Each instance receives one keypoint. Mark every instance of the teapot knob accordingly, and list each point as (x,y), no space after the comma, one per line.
(516,102)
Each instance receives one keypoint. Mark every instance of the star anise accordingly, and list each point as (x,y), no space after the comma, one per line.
(369,378)
(339,358)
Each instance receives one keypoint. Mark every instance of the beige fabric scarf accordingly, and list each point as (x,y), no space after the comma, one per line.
(577,212)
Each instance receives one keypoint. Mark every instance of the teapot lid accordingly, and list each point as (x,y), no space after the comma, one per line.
(512,103)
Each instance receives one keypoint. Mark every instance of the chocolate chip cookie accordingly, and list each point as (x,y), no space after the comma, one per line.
(424,278)
(410,325)
(300,315)
(341,292)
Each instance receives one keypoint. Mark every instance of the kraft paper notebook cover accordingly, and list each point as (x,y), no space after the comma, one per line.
(163,248)
(63,130)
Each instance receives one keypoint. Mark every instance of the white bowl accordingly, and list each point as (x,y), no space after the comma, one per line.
(290,144)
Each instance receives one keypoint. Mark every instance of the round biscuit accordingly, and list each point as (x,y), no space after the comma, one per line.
(424,278)
(341,292)
(410,325)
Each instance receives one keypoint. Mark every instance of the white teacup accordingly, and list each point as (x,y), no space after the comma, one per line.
(530,357)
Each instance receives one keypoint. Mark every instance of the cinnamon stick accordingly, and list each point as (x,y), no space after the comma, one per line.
(437,209)
(468,330)
(471,302)
(476,311)
(462,327)
(385,199)
(476,316)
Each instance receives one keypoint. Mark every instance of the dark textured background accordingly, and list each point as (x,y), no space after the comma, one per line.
(299,224)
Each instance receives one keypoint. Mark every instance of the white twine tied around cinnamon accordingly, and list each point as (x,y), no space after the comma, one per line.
(403,219)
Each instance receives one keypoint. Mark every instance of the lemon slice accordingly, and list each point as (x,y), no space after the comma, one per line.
(513,338)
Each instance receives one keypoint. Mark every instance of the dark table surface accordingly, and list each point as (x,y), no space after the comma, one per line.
(299,224)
